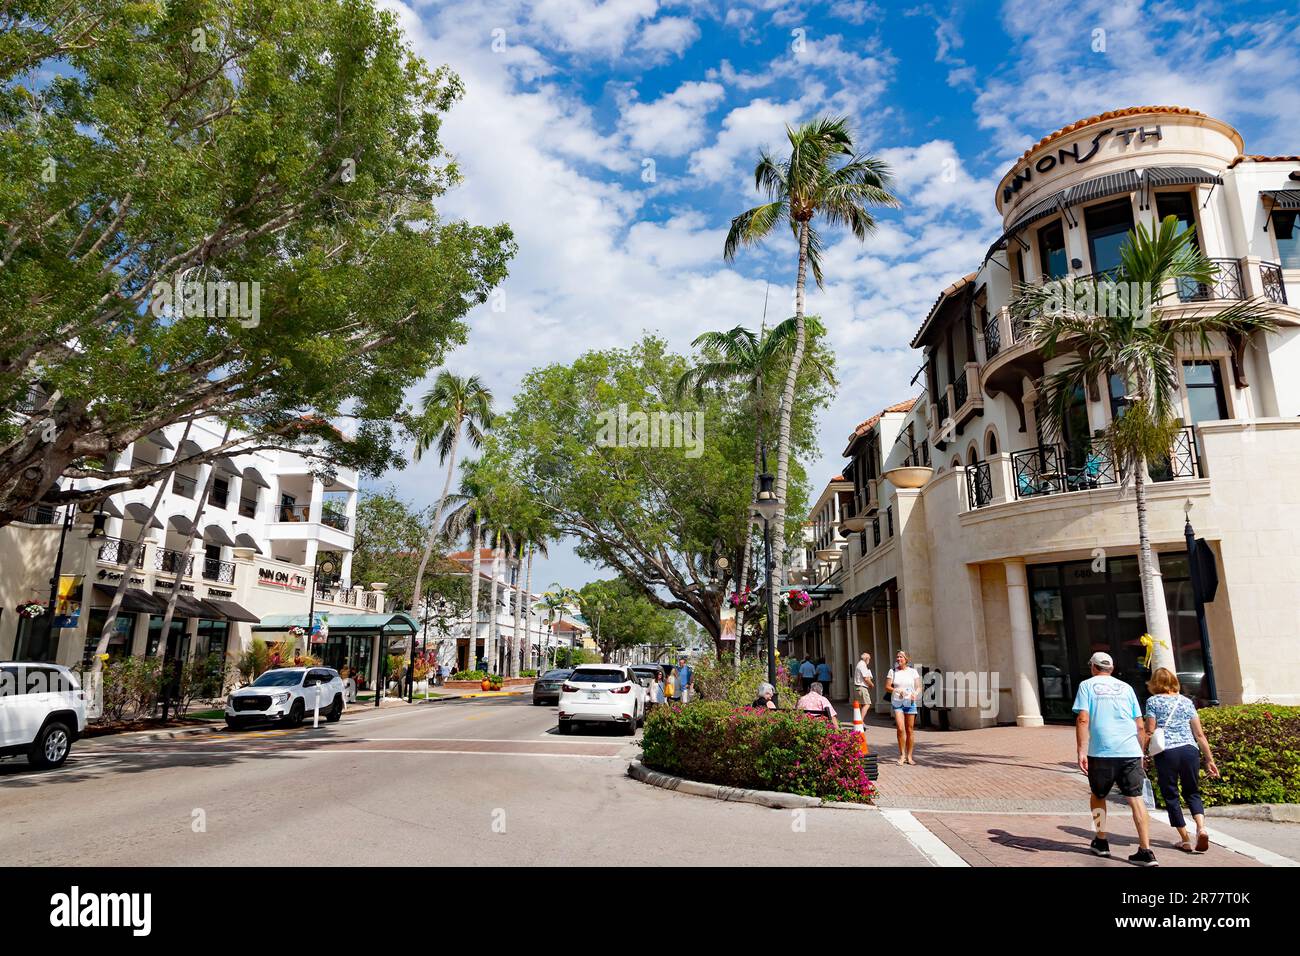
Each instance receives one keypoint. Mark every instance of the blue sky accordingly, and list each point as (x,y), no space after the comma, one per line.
(570,103)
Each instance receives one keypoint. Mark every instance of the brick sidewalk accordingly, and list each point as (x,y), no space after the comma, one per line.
(993,769)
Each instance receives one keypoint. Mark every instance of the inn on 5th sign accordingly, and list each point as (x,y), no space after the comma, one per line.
(1080,153)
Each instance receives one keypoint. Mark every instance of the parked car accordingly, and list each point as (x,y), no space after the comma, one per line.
(546,690)
(289,695)
(42,712)
(602,693)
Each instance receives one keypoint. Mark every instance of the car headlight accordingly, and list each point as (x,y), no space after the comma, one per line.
(282,698)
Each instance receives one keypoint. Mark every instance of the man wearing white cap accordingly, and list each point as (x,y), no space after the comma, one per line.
(1112,738)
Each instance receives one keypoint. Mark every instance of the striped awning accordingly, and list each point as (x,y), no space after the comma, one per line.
(1112,184)
(1282,198)
(1180,176)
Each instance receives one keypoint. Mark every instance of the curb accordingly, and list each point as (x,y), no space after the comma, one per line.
(156,734)
(763,798)
(1270,812)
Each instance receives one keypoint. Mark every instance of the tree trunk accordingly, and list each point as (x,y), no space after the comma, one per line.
(119,592)
(742,578)
(494,622)
(437,519)
(1153,589)
(516,647)
(477,565)
(787,409)
(528,613)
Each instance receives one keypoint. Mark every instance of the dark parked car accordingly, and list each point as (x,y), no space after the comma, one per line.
(546,690)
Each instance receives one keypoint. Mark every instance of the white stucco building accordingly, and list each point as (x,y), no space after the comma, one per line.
(1015,552)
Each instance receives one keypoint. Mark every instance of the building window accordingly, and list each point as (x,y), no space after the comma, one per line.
(1178,205)
(220,492)
(248,507)
(991,444)
(1286,233)
(1206,401)
(1051,251)
(1118,391)
(119,642)
(1108,227)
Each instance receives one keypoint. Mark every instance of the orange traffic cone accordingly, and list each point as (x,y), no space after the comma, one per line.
(860,728)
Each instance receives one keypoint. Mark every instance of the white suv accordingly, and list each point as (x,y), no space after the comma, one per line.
(42,712)
(602,693)
(287,694)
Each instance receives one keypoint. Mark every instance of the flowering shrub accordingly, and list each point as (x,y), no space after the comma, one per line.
(721,680)
(781,750)
(1257,749)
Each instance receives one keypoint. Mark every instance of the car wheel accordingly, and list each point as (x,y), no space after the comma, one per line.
(631,725)
(295,714)
(234,724)
(51,746)
(336,712)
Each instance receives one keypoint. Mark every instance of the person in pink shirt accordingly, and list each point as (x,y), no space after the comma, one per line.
(814,703)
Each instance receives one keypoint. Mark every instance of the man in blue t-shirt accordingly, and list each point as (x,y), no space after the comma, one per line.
(685,682)
(1112,738)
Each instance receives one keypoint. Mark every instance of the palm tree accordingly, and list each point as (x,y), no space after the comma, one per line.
(467,515)
(741,355)
(500,541)
(1140,339)
(556,601)
(454,402)
(530,538)
(800,188)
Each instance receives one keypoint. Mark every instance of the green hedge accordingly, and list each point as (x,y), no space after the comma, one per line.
(1257,749)
(716,742)
(469,675)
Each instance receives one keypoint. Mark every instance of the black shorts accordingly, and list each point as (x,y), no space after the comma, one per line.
(1107,772)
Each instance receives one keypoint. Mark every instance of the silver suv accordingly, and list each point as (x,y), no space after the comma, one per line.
(42,712)
(288,695)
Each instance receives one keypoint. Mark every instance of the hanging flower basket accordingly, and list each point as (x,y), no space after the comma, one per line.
(30,611)
(297,631)
(746,599)
(798,599)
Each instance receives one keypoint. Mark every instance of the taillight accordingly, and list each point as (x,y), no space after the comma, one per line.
(623,690)
(569,689)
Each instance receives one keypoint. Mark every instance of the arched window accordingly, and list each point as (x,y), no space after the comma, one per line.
(972,455)
(956,463)
(991,443)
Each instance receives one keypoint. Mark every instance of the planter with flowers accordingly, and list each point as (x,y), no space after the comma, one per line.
(31,610)
(745,599)
(798,600)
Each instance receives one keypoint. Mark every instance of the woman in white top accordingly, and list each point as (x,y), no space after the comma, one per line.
(903,685)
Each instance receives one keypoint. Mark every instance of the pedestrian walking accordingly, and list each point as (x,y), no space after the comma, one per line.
(1177,743)
(807,674)
(824,673)
(685,680)
(903,685)
(1111,739)
(814,702)
(657,690)
(764,699)
(863,680)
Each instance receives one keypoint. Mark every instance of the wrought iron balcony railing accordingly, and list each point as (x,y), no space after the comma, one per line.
(223,572)
(979,485)
(992,336)
(1227,284)
(169,561)
(1270,275)
(118,551)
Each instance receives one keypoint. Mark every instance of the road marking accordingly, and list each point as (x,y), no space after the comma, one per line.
(1267,857)
(930,846)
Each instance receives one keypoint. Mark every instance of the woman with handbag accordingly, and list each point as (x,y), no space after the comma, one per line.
(1177,742)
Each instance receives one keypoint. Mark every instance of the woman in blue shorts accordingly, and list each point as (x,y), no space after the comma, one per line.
(903,685)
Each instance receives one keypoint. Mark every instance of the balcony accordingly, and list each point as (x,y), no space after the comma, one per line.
(1270,276)
(958,403)
(40,514)
(332,595)
(222,572)
(992,336)
(297,514)
(120,552)
(169,562)
(1227,284)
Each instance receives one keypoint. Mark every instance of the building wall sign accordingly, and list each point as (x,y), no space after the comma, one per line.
(1078,153)
(115,576)
(286,580)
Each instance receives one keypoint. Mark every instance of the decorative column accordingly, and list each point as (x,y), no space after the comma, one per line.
(1024,684)
(317,500)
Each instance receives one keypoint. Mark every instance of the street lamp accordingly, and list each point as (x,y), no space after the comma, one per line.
(321,567)
(766,505)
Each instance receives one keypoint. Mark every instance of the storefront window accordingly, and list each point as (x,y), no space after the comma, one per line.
(177,646)
(34,642)
(1108,227)
(212,637)
(119,642)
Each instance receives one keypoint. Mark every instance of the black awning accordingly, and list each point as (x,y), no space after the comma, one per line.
(231,611)
(1045,207)
(1112,184)
(215,534)
(159,439)
(140,513)
(110,509)
(245,540)
(1180,176)
(189,448)
(254,477)
(187,606)
(180,523)
(134,600)
(228,467)
(1282,198)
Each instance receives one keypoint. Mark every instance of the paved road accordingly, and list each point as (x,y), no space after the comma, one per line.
(486,781)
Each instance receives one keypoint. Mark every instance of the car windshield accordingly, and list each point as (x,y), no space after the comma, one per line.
(278,679)
(556,675)
(600,677)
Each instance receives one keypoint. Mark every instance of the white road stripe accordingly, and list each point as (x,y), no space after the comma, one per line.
(934,849)
(1267,857)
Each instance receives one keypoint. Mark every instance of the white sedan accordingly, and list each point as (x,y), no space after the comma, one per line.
(602,693)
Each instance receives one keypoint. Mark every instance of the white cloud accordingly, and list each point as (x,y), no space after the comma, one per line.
(673,124)
(669,35)
(589,26)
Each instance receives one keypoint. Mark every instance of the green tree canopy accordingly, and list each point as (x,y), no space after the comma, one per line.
(389,536)
(621,616)
(658,516)
(291,148)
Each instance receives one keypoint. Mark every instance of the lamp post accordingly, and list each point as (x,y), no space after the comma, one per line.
(766,504)
(319,568)
(66,525)
(1198,594)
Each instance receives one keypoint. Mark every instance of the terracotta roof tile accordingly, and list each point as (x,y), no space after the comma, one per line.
(870,423)
(1263,159)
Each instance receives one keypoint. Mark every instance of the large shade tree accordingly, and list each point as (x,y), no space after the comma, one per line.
(822,177)
(283,156)
(658,514)
(622,617)
(1136,327)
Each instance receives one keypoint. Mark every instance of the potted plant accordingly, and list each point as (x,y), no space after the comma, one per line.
(31,610)
(485,683)
(495,681)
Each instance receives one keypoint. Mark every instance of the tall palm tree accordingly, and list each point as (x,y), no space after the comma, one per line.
(799,189)
(467,516)
(740,355)
(528,538)
(500,541)
(1140,339)
(453,403)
